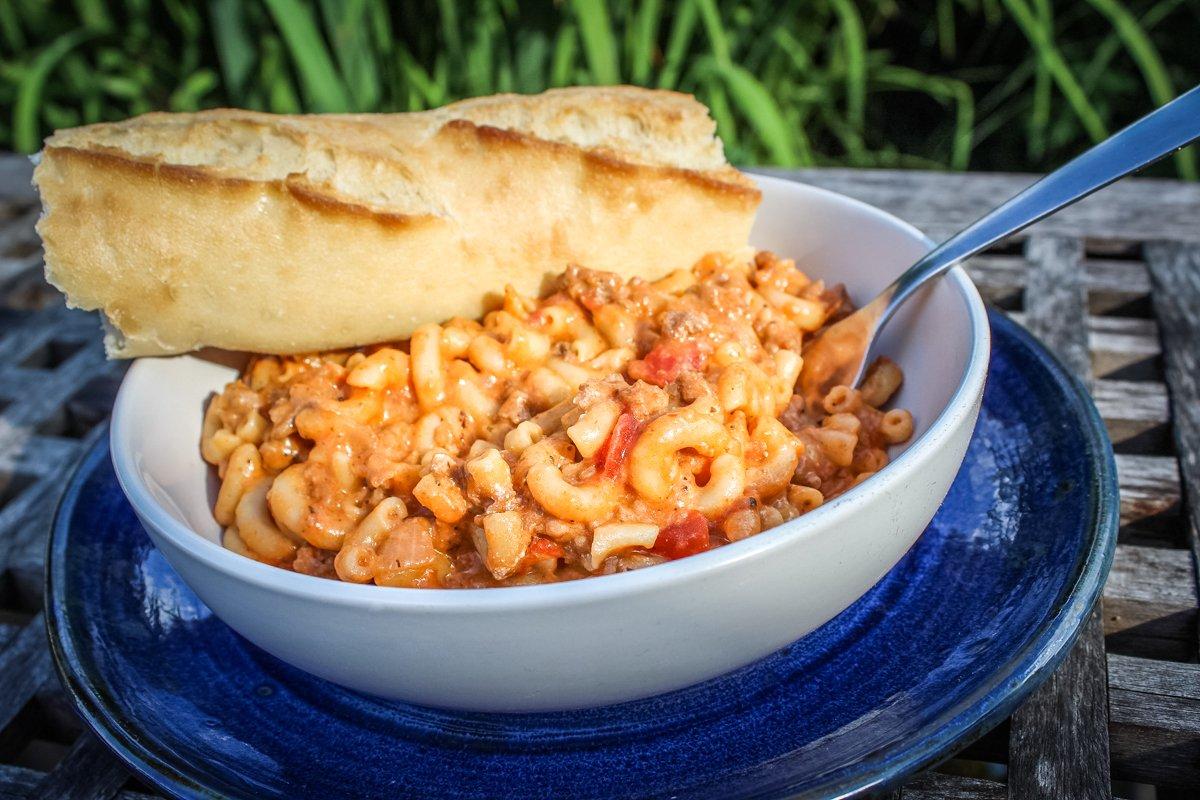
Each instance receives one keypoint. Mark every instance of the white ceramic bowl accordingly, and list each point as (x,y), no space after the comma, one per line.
(605,639)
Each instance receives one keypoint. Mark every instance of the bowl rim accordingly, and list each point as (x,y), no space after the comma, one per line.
(585,591)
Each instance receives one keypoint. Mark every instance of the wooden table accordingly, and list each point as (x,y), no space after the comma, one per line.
(1112,285)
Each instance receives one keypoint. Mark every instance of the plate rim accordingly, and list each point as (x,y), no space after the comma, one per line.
(85,699)
(1019,675)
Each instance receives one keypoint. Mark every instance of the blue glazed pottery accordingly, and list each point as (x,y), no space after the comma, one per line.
(980,611)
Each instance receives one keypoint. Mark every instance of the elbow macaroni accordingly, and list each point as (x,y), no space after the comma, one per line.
(551,440)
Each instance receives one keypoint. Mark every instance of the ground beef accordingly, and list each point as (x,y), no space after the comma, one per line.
(783,336)
(515,409)
(645,338)
(237,403)
(692,386)
(313,561)
(643,400)
(594,391)
(837,300)
(794,417)
(589,287)
(682,324)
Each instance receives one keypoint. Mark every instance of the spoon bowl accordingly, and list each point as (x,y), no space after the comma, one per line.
(838,356)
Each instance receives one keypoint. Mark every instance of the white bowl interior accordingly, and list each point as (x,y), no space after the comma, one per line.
(829,236)
(169,428)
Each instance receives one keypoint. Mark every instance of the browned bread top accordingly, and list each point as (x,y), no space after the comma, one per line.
(253,231)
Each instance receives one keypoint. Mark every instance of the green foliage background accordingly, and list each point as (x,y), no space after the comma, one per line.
(952,84)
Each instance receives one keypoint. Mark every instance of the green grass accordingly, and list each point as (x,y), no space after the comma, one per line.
(951,84)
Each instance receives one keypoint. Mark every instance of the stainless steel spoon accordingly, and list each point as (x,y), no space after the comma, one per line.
(839,355)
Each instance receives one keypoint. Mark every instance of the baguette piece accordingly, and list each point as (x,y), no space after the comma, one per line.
(288,234)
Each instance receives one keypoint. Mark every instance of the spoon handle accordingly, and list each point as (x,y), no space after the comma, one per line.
(1151,138)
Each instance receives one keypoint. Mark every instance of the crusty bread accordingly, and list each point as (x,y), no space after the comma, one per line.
(285,234)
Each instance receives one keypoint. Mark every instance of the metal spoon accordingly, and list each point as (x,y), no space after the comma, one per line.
(839,355)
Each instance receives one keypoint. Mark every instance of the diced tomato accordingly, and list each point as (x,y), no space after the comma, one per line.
(614,452)
(541,548)
(666,360)
(686,536)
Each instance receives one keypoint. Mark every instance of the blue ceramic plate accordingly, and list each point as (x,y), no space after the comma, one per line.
(970,621)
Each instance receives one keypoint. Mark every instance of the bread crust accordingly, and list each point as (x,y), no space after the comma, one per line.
(289,234)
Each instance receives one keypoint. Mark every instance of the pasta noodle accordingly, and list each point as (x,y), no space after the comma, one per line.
(609,426)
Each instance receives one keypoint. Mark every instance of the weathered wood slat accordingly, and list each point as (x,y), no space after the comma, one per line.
(1117,343)
(47,716)
(16,174)
(88,772)
(1150,604)
(1149,486)
(1055,299)
(27,569)
(17,235)
(37,456)
(24,523)
(25,336)
(939,786)
(1149,630)
(1154,756)
(56,712)
(1174,717)
(943,203)
(28,503)
(1175,273)
(1164,678)
(1110,283)
(1155,708)
(54,388)
(1114,285)
(1058,744)
(19,783)
(1152,575)
(1131,408)
(1124,335)
(8,630)
(35,499)
(998,273)
(1116,276)
(13,267)
(24,667)
(1132,401)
